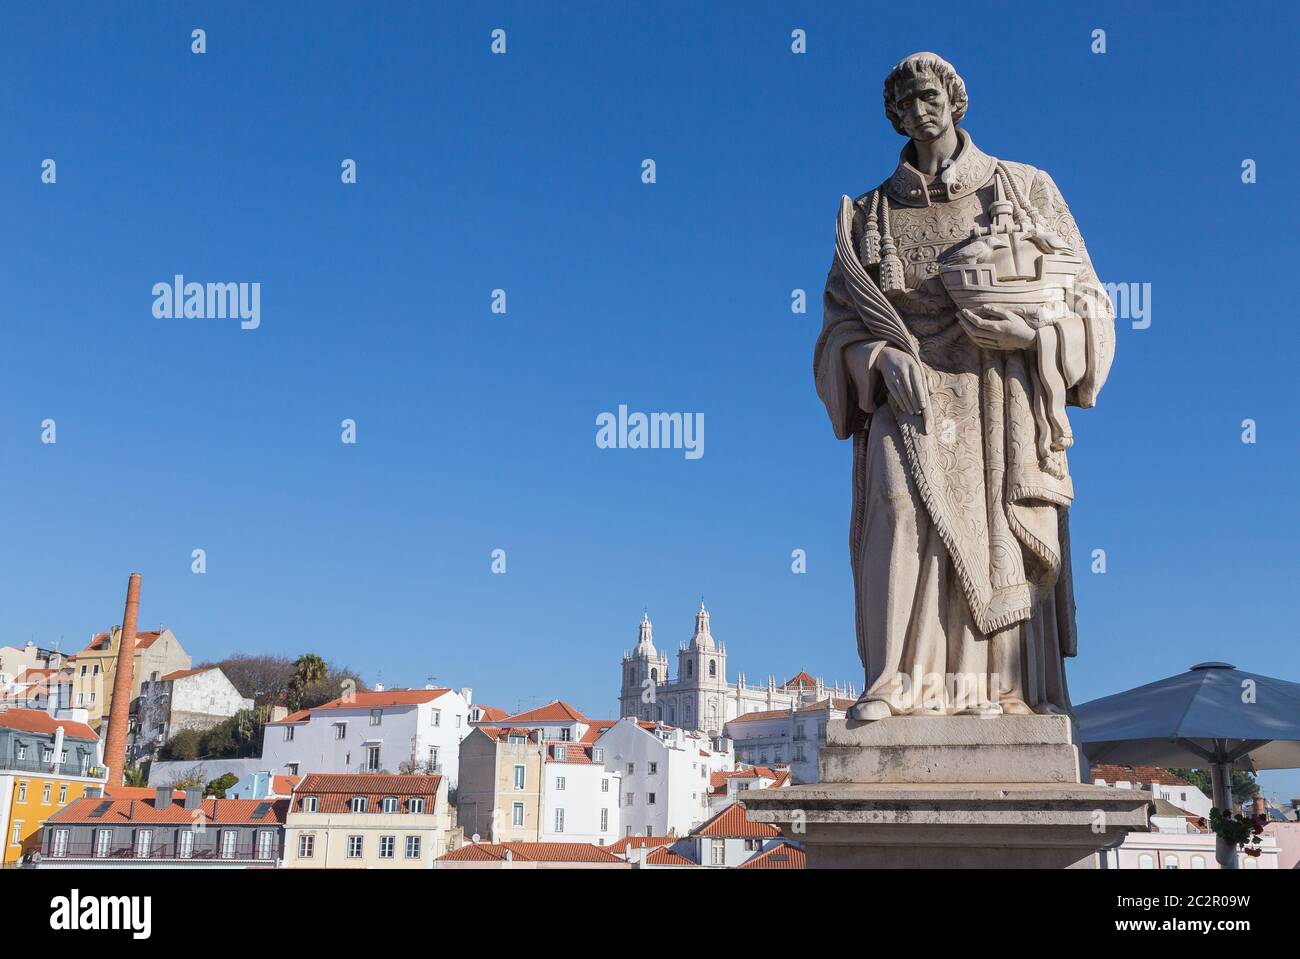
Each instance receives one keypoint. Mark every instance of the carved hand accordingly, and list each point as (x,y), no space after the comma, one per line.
(904,379)
(998,329)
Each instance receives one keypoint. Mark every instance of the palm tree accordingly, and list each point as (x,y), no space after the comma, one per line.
(308,670)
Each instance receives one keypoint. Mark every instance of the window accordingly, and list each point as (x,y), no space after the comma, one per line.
(415,805)
(22,790)
(83,669)
(265,844)
(143,842)
(713,668)
(597,755)
(63,793)
(340,730)
(288,734)
(631,769)
(95,671)
(185,844)
(376,717)
(1171,862)
(311,804)
(103,843)
(358,804)
(228,838)
(1198,862)
(516,739)
(22,751)
(458,719)
(650,799)
(519,777)
(355,847)
(372,758)
(47,754)
(412,847)
(291,769)
(566,734)
(517,814)
(1146,861)
(559,783)
(437,717)
(389,804)
(387,846)
(45,793)
(649,831)
(654,769)
(559,820)
(306,845)
(560,754)
(604,785)
(753,845)
(718,852)
(798,732)
(630,799)
(604,820)
(81,699)
(18,833)
(433,757)
(61,844)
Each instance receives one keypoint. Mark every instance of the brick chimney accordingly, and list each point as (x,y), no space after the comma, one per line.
(115,743)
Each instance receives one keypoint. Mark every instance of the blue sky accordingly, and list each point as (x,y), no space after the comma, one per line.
(476,430)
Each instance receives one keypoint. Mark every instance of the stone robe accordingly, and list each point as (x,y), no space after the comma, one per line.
(959,537)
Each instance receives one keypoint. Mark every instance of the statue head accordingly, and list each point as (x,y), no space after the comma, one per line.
(924,97)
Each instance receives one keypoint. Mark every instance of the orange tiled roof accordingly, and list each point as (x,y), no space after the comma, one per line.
(284,785)
(216,812)
(621,846)
(666,857)
(531,852)
(137,792)
(489,714)
(553,712)
(367,699)
(839,703)
(501,732)
(755,717)
(1137,774)
(182,673)
(801,679)
(143,640)
(336,790)
(573,752)
(597,728)
(39,721)
(782,856)
(732,822)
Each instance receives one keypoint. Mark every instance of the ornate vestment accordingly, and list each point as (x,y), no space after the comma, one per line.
(960,533)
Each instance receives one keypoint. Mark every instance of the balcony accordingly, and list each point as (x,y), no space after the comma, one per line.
(164,852)
(34,765)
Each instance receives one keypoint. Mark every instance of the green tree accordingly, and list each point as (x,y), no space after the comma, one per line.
(135,776)
(186,745)
(218,786)
(1243,783)
(309,672)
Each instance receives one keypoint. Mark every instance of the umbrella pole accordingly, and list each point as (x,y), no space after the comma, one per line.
(1221,776)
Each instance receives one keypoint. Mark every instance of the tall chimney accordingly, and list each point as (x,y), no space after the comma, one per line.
(115,746)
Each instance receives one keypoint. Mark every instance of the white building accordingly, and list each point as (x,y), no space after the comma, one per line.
(393,731)
(701,697)
(579,795)
(185,699)
(666,775)
(730,787)
(790,737)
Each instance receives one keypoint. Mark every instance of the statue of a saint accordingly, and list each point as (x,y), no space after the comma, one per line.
(962,317)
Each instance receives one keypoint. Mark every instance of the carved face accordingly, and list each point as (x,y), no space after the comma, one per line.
(923,107)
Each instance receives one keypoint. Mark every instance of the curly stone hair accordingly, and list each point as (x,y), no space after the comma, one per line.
(917,64)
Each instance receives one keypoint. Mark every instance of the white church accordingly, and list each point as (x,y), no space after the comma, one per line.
(701,698)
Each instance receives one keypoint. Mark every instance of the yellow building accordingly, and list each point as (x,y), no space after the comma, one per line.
(45,763)
(156,651)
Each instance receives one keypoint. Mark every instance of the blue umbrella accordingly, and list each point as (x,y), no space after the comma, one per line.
(1213,716)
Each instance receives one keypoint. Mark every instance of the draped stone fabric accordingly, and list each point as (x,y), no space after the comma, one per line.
(959,537)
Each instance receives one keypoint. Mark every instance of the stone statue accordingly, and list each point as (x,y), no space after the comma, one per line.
(962,317)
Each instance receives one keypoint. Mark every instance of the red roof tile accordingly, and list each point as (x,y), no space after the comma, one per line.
(732,822)
(182,673)
(666,857)
(367,699)
(1137,774)
(621,846)
(488,714)
(39,721)
(531,852)
(216,812)
(568,752)
(553,712)
(782,856)
(143,640)
(335,791)
(801,679)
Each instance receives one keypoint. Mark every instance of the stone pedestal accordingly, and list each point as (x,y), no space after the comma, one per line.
(952,792)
